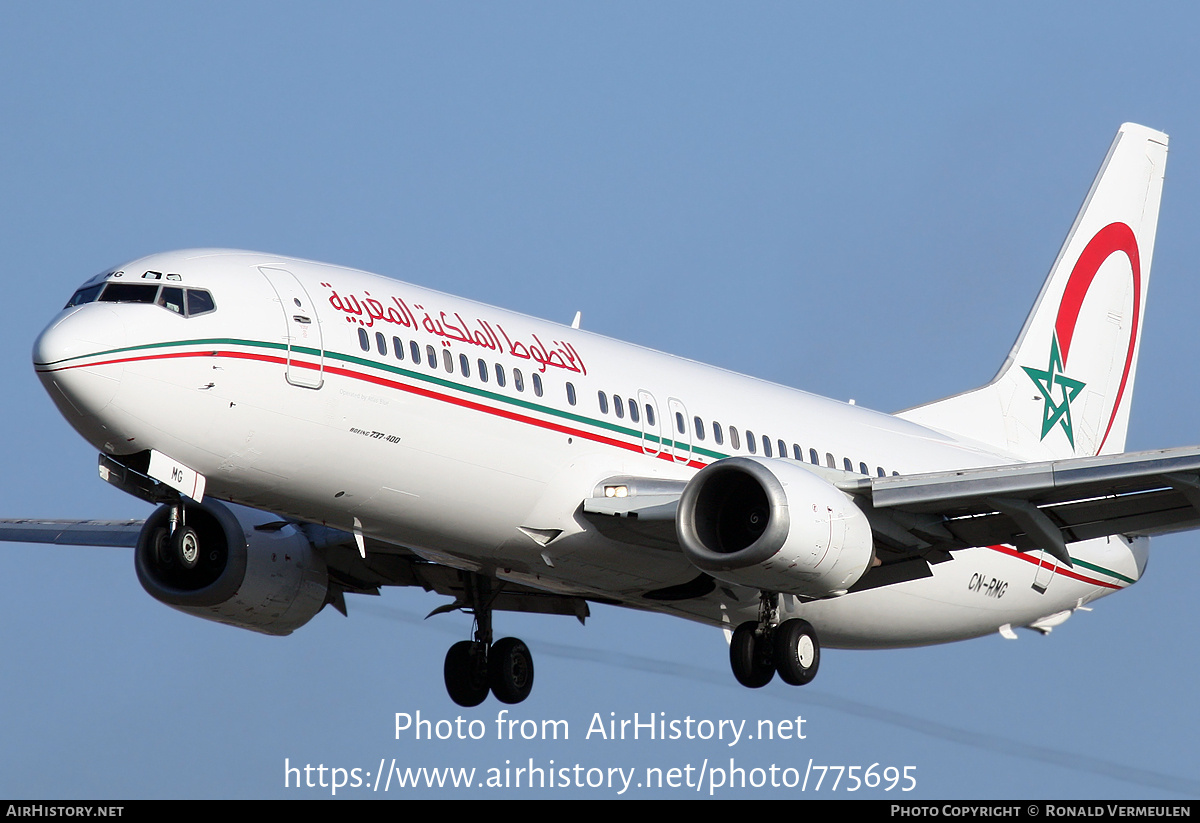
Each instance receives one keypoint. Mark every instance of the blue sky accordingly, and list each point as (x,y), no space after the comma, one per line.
(859,202)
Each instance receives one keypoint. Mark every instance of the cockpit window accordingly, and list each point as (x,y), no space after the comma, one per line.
(171,298)
(199,302)
(85,295)
(129,293)
(177,299)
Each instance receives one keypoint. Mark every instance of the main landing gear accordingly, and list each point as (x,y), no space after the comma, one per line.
(760,648)
(475,667)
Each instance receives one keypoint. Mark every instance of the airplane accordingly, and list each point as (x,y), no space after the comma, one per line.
(308,431)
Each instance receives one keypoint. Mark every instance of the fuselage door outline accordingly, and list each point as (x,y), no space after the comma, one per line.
(681,442)
(303,328)
(652,442)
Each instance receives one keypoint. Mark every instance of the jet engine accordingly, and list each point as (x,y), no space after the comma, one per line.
(773,525)
(268,580)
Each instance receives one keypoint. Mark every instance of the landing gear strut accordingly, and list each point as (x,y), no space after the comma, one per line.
(760,648)
(475,667)
(177,543)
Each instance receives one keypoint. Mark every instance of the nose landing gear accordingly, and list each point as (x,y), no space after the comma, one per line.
(177,544)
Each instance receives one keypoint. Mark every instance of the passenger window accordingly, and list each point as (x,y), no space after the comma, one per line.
(448,360)
(750,444)
(518,380)
(830,462)
(734,441)
(431,356)
(415,348)
(571,393)
(464,365)
(603,399)
(767,446)
(718,434)
(649,415)
(812,457)
(618,405)
(537,384)
(364,340)
(499,375)
(783,449)
(880,471)
(698,424)
(398,348)
(381,343)
(633,411)
(846,462)
(862,469)
(679,422)
(483,370)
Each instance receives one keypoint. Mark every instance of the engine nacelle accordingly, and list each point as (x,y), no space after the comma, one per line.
(773,525)
(270,581)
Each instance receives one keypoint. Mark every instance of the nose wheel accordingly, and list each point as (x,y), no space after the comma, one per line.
(185,546)
(177,544)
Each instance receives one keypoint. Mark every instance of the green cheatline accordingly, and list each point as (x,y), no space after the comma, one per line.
(414,375)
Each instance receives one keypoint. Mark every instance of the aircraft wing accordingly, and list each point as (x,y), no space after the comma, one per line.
(916,519)
(350,573)
(114,533)
(919,519)
(1036,505)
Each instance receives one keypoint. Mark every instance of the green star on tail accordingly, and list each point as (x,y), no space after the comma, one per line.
(1046,380)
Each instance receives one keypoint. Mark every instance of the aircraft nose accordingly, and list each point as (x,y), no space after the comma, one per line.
(64,356)
(86,330)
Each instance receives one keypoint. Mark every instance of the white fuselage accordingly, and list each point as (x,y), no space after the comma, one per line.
(274,399)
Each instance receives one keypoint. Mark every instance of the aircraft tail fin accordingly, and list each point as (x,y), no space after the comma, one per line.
(1065,389)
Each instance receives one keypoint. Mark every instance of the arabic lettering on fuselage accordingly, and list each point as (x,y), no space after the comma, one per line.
(368,311)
